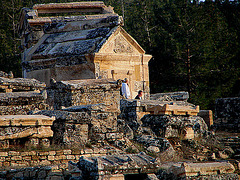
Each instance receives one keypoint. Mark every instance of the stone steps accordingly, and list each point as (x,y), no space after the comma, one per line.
(234,143)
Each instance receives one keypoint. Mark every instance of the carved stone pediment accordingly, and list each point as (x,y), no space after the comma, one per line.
(121,43)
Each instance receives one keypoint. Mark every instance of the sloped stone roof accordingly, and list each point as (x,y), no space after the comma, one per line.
(119,164)
(68,34)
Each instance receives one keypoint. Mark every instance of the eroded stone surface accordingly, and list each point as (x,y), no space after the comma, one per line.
(108,166)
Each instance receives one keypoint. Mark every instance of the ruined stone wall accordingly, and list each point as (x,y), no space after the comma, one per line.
(85,92)
(18,96)
(76,126)
(16,159)
(227,114)
(140,116)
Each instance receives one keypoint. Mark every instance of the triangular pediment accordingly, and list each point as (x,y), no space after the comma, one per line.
(120,42)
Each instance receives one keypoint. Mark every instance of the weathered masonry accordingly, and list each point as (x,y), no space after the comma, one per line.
(80,46)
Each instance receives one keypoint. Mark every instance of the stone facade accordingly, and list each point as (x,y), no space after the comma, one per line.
(86,92)
(227,114)
(19,95)
(81,46)
(28,130)
(76,126)
(60,158)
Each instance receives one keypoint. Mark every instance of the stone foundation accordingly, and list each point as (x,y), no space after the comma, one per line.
(17,159)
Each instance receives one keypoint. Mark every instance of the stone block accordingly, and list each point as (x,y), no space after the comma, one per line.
(35,157)
(32,153)
(67,151)
(6,164)
(114,136)
(202,169)
(2,159)
(16,158)
(153,149)
(70,157)
(27,158)
(88,151)
(42,157)
(52,153)
(13,153)
(24,153)
(35,162)
(51,158)
(3,154)
(59,152)
(43,153)
(45,163)
(60,157)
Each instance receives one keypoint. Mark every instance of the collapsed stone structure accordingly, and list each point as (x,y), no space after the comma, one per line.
(80,46)
(19,96)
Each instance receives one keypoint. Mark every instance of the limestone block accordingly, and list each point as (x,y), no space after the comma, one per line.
(52,153)
(113,177)
(153,149)
(26,120)
(88,151)
(13,153)
(51,158)
(187,133)
(3,154)
(16,158)
(152,177)
(67,151)
(114,136)
(2,159)
(43,153)
(196,169)
(45,163)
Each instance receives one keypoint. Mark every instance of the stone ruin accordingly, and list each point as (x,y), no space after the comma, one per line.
(75,104)
(88,44)
(19,96)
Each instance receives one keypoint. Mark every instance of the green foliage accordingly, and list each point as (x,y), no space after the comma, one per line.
(195,47)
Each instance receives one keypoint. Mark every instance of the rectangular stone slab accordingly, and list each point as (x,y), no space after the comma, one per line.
(40,132)
(26,120)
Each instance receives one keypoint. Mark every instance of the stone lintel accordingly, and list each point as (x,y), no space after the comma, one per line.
(122,57)
(161,107)
(76,22)
(173,110)
(26,120)
(73,5)
(107,84)
(208,168)
(16,83)
(34,132)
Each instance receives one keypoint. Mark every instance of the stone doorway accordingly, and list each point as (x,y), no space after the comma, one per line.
(135,176)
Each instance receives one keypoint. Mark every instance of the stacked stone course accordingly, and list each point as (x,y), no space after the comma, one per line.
(17,159)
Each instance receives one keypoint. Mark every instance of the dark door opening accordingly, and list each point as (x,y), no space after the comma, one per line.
(135,176)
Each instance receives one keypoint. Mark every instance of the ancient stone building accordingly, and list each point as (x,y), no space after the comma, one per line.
(18,96)
(82,40)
